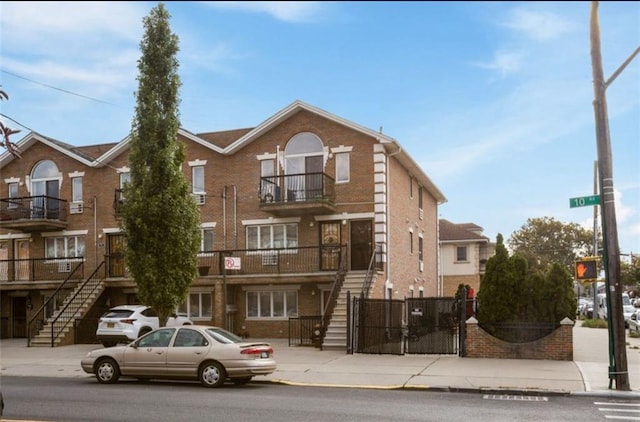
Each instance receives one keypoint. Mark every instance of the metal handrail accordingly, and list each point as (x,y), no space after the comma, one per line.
(83,294)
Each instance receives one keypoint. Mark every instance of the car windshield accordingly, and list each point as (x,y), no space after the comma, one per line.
(117,313)
(626,300)
(223,336)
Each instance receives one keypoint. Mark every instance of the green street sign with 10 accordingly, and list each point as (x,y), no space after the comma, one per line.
(584,201)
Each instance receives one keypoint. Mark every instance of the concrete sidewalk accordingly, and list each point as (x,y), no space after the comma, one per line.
(587,374)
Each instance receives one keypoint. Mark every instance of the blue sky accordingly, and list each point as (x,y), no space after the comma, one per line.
(492,99)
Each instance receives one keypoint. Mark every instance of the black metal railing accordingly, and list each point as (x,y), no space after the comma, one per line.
(303,187)
(373,266)
(41,269)
(301,259)
(66,315)
(301,329)
(40,207)
(53,302)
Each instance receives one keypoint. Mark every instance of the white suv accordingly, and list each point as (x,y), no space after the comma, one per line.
(126,323)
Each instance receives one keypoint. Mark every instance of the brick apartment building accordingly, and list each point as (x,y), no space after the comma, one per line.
(300,206)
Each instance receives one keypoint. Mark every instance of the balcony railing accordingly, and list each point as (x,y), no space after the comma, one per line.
(301,259)
(42,269)
(294,193)
(33,213)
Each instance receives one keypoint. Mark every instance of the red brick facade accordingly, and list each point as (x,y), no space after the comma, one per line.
(381,193)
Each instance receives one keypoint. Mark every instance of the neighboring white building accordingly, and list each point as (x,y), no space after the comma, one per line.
(464,251)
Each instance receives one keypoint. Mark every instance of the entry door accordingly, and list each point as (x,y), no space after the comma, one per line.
(313,179)
(4,261)
(116,255)
(19,317)
(21,254)
(361,244)
(330,238)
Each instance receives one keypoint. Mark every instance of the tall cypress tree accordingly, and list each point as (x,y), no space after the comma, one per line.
(160,217)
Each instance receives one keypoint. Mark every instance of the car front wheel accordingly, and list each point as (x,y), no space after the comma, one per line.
(212,374)
(107,371)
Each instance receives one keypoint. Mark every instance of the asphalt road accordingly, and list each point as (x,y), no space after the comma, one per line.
(81,399)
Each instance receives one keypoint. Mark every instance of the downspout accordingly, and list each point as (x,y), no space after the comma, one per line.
(235,217)
(224,218)
(95,231)
(388,213)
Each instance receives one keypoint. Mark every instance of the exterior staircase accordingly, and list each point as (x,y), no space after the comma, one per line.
(335,337)
(58,329)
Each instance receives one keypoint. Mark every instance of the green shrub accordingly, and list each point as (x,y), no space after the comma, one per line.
(594,323)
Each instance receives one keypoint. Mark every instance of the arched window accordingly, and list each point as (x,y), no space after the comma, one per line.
(45,188)
(304,166)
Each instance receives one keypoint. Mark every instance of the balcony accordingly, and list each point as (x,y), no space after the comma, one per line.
(33,213)
(295,195)
(40,269)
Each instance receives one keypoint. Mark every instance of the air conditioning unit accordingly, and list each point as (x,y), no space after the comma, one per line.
(421,214)
(64,267)
(270,259)
(421,266)
(75,208)
(200,198)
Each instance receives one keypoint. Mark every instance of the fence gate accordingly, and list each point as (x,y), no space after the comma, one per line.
(376,326)
(432,326)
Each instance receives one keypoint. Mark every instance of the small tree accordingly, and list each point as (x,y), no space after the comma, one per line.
(510,292)
(160,218)
(543,241)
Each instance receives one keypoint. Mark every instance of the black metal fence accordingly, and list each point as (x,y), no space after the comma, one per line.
(302,330)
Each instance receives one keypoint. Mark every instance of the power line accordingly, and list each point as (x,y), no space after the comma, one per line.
(56,88)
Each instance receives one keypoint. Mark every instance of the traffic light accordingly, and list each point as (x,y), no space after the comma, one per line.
(587,269)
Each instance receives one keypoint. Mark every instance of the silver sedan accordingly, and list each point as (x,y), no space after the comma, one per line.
(208,354)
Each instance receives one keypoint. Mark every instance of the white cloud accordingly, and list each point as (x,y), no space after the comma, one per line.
(290,11)
(505,63)
(540,26)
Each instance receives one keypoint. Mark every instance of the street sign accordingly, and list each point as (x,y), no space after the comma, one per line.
(231,263)
(584,201)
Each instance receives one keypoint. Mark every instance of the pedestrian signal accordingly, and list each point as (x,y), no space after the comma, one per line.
(587,269)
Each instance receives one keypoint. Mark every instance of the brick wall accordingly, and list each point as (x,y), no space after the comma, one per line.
(556,346)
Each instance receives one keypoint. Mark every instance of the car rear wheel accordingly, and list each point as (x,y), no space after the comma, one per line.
(241,381)
(212,374)
(107,371)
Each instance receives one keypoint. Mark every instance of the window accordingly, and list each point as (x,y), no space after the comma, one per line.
(420,248)
(272,304)
(76,189)
(64,247)
(419,197)
(159,338)
(125,177)
(461,254)
(189,338)
(267,168)
(206,240)
(13,193)
(272,236)
(410,187)
(197,179)
(342,167)
(199,305)
(411,243)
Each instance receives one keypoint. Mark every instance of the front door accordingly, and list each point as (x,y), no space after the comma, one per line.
(19,317)
(330,238)
(21,254)
(361,244)
(116,255)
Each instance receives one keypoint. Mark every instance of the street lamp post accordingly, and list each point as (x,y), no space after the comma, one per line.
(618,369)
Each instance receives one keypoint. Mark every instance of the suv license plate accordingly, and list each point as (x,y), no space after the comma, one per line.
(110,324)
(264,355)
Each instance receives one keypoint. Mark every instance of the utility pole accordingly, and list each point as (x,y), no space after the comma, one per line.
(618,370)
